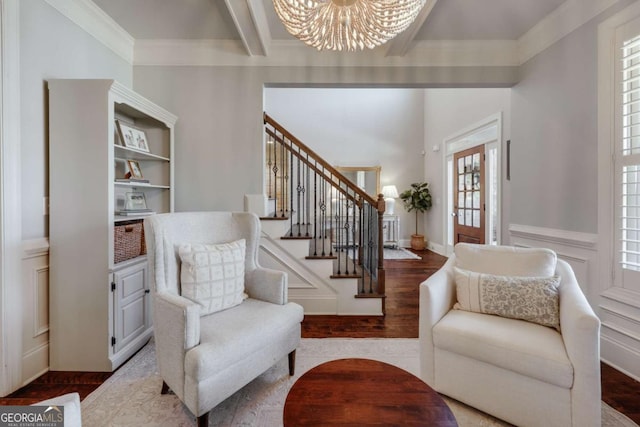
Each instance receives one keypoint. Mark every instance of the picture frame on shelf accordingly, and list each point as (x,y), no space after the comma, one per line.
(134,170)
(132,137)
(135,201)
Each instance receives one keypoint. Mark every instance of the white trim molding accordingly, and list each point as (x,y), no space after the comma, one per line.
(88,16)
(10,200)
(551,235)
(434,53)
(35,248)
(619,308)
(570,15)
(579,249)
(256,42)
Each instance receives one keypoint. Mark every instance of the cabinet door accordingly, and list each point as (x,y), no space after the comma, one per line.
(130,304)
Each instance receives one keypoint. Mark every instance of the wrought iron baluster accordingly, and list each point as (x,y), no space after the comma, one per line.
(299,190)
(283,183)
(308,194)
(290,169)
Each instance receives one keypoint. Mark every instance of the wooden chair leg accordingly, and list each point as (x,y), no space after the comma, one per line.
(203,420)
(165,388)
(292,363)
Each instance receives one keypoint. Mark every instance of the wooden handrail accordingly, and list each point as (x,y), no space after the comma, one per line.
(314,167)
(370,255)
(268,119)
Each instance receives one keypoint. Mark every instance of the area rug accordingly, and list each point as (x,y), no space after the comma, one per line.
(131,396)
(399,253)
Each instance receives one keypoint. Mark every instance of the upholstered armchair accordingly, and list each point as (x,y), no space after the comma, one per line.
(543,371)
(220,320)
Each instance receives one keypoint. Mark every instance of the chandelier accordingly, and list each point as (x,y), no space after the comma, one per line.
(346,24)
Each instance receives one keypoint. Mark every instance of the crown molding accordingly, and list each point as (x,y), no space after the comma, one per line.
(405,52)
(399,45)
(444,53)
(569,16)
(88,16)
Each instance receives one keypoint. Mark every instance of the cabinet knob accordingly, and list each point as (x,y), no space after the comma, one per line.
(146,291)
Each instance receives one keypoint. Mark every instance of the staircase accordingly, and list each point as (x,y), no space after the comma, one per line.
(322,229)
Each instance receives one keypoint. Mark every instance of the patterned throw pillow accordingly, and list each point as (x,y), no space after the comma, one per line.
(534,299)
(213,275)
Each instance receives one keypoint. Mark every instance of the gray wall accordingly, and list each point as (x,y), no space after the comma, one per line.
(359,127)
(554,143)
(554,175)
(219,150)
(448,112)
(51,46)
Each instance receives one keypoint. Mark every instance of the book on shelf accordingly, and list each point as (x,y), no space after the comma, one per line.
(135,212)
(134,180)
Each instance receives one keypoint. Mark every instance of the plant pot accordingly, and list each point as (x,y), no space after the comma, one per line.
(417,242)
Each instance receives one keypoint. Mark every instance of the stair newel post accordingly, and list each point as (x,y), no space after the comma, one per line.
(381,278)
(371,246)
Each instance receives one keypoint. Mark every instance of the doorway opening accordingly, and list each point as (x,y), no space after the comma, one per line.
(473,184)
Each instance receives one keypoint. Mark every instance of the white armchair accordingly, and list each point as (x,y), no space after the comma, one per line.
(518,371)
(204,359)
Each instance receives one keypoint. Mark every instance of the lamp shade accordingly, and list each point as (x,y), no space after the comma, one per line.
(390,191)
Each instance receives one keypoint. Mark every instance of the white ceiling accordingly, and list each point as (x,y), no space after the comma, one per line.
(256,23)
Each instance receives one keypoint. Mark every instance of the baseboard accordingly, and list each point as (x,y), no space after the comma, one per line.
(437,248)
(35,363)
(620,357)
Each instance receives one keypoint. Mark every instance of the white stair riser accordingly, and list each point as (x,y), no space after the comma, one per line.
(310,284)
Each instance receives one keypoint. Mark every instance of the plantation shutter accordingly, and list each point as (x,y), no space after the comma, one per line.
(627,164)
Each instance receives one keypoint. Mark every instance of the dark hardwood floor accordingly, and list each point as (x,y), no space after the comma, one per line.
(401,321)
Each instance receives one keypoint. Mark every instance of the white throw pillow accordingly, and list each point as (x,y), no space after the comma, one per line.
(534,299)
(72,408)
(213,275)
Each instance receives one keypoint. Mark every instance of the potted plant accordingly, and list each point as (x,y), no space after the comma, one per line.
(417,198)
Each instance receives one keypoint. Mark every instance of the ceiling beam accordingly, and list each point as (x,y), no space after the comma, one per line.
(251,22)
(399,45)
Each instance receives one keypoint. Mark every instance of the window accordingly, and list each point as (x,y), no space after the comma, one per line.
(627,159)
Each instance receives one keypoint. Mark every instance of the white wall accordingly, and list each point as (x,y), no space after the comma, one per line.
(447,112)
(219,150)
(51,46)
(358,127)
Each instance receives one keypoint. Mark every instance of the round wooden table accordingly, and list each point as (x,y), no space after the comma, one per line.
(361,392)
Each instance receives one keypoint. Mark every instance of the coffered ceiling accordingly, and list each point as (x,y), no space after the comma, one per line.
(255,25)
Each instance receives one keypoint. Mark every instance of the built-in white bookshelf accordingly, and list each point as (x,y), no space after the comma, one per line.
(99,311)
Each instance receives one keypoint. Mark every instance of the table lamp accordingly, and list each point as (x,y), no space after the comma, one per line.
(390,193)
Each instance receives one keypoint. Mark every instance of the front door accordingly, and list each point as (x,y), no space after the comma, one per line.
(469,204)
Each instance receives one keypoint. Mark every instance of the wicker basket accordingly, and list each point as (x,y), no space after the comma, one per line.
(128,240)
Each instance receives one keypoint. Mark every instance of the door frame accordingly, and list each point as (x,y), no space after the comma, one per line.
(10,200)
(479,133)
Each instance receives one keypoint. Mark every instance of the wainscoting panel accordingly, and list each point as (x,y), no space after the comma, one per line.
(617,308)
(35,309)
(578,249)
